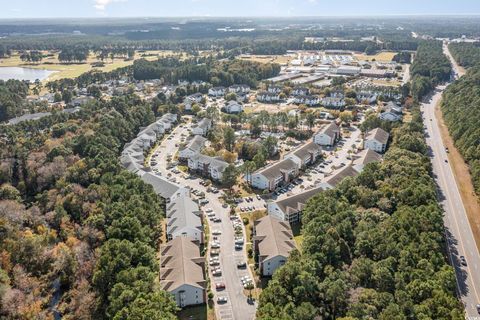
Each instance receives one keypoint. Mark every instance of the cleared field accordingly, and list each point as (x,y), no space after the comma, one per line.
(75,69)
(268,59)
(383,56)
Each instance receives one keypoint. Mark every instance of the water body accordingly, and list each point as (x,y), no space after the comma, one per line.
(20,73)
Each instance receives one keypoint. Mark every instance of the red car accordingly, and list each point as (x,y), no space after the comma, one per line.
(220,286)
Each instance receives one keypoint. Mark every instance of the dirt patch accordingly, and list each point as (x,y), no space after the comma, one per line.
(462,177)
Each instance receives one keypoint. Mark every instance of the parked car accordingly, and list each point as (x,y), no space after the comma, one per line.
(241,265)
(463,261)
(222,299)
(220,286)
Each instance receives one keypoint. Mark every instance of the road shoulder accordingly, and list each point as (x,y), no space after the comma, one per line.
(462,176)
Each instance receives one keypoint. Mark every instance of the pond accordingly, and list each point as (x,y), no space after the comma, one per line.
(20,73)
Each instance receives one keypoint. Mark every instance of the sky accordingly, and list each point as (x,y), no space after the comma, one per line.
(226,8)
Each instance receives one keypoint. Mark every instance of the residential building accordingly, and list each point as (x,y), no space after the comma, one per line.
(207,166)
(166,189)
(202,127)
(328,135)
(308,100)
(366,97)
(182,272)
(332,102)
(376,140)
(274,89)
(217,91)
(193,147)
(300,91)
(332,181)
(239,88)
(269,97)
(391,112)
(184,219)
(305,155)
(365,157)
(233,107)
(290,209)
(272,243)
(274,175)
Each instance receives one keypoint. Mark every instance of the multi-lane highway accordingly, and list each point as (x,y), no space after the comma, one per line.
(461,242)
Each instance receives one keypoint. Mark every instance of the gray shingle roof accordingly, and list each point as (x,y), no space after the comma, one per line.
(378,134)
(296,202)
(275,237)
(306,149)
(183,212)
(162,186)
(181,263)
(277,168)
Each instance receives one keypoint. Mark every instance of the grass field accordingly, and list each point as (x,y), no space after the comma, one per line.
(383,56)
(74,70)
(297,236)
(268,59)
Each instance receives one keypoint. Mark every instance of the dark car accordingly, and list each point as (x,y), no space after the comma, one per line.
(463,261)
(241,265)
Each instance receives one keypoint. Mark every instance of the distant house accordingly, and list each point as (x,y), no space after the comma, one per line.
(272,243)
(308,100)
(300,91)
(305,155)
(274,89)
(367,97)
(207,166)
(182,272)
(192,99)
(290,209)
(328,135)
(217,91)
(239,88)
(268,97)
(391,112)
(376,140)
(332,102)
(193,147)
(202,127)
(79,101)
(233,107)
(274,175)
(184,219)
(242,97)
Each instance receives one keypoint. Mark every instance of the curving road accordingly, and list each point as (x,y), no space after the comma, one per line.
(457,228)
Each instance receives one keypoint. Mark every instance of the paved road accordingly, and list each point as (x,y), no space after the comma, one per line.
(459,234)
(237,306)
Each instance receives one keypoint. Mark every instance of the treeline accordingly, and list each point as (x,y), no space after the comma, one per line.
(73,54)
(465,54)
(79,233)
(461,111)
(373,247)
(12,98)
(429,68)
(224,72)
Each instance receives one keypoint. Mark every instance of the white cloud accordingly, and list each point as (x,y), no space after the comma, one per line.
(101,5)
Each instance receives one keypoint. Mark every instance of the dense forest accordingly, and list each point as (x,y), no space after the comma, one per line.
(466,54)
(224,72)
(429,68)
(461,111)
(373,247)
(12,98)
(79,233)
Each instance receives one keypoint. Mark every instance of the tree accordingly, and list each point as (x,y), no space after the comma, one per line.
(229,176)
(229,138)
